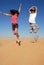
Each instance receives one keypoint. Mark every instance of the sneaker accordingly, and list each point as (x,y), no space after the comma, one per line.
(18,42)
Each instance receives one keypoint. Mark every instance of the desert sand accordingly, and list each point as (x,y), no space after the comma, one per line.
(27,53)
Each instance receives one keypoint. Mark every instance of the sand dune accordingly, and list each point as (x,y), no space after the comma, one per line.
(27,54)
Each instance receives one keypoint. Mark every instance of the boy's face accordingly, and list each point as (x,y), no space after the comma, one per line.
(32,12)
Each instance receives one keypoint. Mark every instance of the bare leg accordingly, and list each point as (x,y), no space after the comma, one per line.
(15,32)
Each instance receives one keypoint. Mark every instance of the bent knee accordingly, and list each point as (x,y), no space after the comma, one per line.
(14,33)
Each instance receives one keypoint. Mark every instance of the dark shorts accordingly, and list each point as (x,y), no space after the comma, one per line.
(14,26)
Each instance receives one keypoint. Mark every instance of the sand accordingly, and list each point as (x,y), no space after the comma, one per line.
(27,54)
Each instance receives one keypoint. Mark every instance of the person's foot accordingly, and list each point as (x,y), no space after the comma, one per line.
(18,42)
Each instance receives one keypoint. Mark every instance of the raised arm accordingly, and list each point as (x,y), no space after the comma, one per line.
(5,14)
(30,9)
(20,8)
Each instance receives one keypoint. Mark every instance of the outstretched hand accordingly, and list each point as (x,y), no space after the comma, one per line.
(20,4)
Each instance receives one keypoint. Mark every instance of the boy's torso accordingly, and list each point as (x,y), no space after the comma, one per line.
(32,18)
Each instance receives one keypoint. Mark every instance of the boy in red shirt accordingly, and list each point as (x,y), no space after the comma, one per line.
(14,14)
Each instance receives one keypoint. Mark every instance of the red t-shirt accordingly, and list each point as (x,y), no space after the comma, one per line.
(14,19)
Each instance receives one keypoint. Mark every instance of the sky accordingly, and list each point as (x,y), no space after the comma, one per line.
(5,21)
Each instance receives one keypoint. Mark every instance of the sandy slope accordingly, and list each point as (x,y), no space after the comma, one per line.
(27,54)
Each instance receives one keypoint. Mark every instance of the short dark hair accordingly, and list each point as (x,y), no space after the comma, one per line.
(13,12)
(32,10)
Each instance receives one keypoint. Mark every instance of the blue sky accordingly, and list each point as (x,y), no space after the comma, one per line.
(5,21)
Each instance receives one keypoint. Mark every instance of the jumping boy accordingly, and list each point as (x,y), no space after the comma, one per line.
(14,15)
(32,20)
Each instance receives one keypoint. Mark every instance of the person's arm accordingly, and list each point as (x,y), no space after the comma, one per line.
(30,9)
(36,9)
(20,8)
(5,14)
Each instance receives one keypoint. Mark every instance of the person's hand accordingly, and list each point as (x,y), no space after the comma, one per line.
(20,4)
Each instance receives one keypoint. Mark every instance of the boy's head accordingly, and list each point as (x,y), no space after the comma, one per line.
(33,10)
(13,12)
